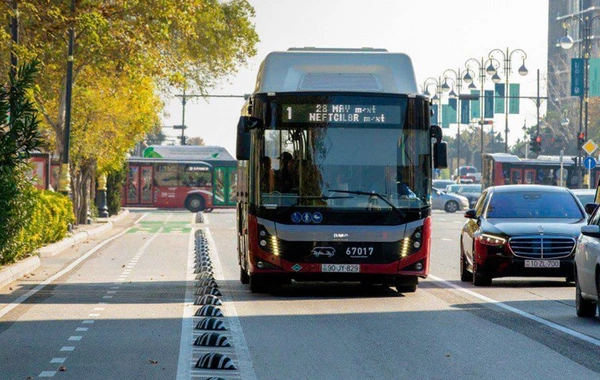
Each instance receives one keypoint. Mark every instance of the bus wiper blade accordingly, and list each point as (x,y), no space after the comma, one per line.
(400,213)
(301,198)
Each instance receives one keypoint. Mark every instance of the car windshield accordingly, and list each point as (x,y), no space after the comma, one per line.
(533,204)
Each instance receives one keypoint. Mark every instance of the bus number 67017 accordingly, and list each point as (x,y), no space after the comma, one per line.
(359,251)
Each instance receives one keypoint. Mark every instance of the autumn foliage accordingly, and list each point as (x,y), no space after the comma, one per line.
(128,56)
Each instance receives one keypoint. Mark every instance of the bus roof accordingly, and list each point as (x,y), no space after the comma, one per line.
(188,152)
(323,69)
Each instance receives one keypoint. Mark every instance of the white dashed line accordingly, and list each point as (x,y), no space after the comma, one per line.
(81,329)
(47,374)
(58,360)
(67,348)
(522,313)
(75,338)
(88,322)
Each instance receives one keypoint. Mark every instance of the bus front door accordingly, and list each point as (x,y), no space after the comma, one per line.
(224,186)
(516,176)
(139,185)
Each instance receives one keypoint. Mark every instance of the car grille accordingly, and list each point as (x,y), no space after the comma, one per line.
(541,246)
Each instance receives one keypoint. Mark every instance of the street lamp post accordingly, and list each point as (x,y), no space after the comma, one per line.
(491,70)
(525,138)
(437,97)
(64,183)
(472,64)
(566,42)
(457,82)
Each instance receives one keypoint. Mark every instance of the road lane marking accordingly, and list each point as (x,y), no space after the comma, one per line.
(522,313)
(67,348)
(47,374)
(58,360)
(81,329)
(75,338)
(241,347)
(187,321)
(70,267)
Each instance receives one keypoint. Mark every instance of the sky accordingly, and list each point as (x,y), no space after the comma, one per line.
(436,34)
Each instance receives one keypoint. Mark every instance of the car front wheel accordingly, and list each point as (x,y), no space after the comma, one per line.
(465,275)
(584,308)
(451,206)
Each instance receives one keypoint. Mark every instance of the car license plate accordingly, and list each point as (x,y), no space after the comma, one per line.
(340,268)
(542,264)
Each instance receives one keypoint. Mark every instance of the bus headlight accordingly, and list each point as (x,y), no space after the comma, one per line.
(413,243)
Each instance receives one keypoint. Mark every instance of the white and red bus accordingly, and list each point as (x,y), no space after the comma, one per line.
(199,178)
(506,169)
(335,165)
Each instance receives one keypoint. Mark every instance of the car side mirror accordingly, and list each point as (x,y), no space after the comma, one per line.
(470,214)
(590,208)
(592,230)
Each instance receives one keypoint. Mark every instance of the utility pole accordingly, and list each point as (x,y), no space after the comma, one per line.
(14,32)
(64,184)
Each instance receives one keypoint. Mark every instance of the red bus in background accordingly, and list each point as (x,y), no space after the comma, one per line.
(505,169)
(199,178)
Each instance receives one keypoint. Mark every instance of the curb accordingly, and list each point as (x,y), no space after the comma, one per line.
(70,241)
(15,271)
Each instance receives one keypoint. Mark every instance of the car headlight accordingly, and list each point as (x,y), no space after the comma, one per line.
(491,240)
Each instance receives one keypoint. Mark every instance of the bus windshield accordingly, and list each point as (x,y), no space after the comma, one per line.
(345,153)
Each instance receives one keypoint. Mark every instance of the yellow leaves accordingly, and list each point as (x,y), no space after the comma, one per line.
(111,113)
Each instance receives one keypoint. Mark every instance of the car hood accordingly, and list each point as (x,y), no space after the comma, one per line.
(516,227)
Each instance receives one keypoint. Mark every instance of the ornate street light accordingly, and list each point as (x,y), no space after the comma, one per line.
(457,79)
(437,97)
(507,59)
(479,66)
(566,42)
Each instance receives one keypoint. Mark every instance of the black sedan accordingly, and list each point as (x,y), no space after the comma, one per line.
(520,230)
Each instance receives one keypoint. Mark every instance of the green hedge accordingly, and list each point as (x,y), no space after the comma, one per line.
(50,214)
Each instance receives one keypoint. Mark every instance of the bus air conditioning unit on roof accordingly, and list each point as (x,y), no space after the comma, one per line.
(339,82)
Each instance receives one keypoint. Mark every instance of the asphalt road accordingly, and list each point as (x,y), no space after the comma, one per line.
(122,307)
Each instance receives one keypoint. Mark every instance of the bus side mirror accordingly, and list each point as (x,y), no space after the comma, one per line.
(245,124)
(440,155)
(440,150)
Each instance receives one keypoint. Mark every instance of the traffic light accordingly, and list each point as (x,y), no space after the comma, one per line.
(536,144)
(580,140)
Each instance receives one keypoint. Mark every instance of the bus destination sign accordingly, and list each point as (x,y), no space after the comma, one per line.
(341,113)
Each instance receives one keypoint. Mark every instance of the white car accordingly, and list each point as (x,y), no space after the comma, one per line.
(441,200)
(587,268)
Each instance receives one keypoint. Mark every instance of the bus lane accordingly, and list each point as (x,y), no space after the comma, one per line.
(332,330)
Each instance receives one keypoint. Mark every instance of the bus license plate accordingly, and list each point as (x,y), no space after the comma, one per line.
(340,268)
(542,264)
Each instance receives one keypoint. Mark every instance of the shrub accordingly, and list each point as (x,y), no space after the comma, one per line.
(48,215)
(114,185)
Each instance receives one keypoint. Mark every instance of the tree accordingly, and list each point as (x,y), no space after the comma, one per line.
(112,114)
(199,141)
(195,44)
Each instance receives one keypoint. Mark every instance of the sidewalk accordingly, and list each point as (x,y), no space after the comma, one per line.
(81,233)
